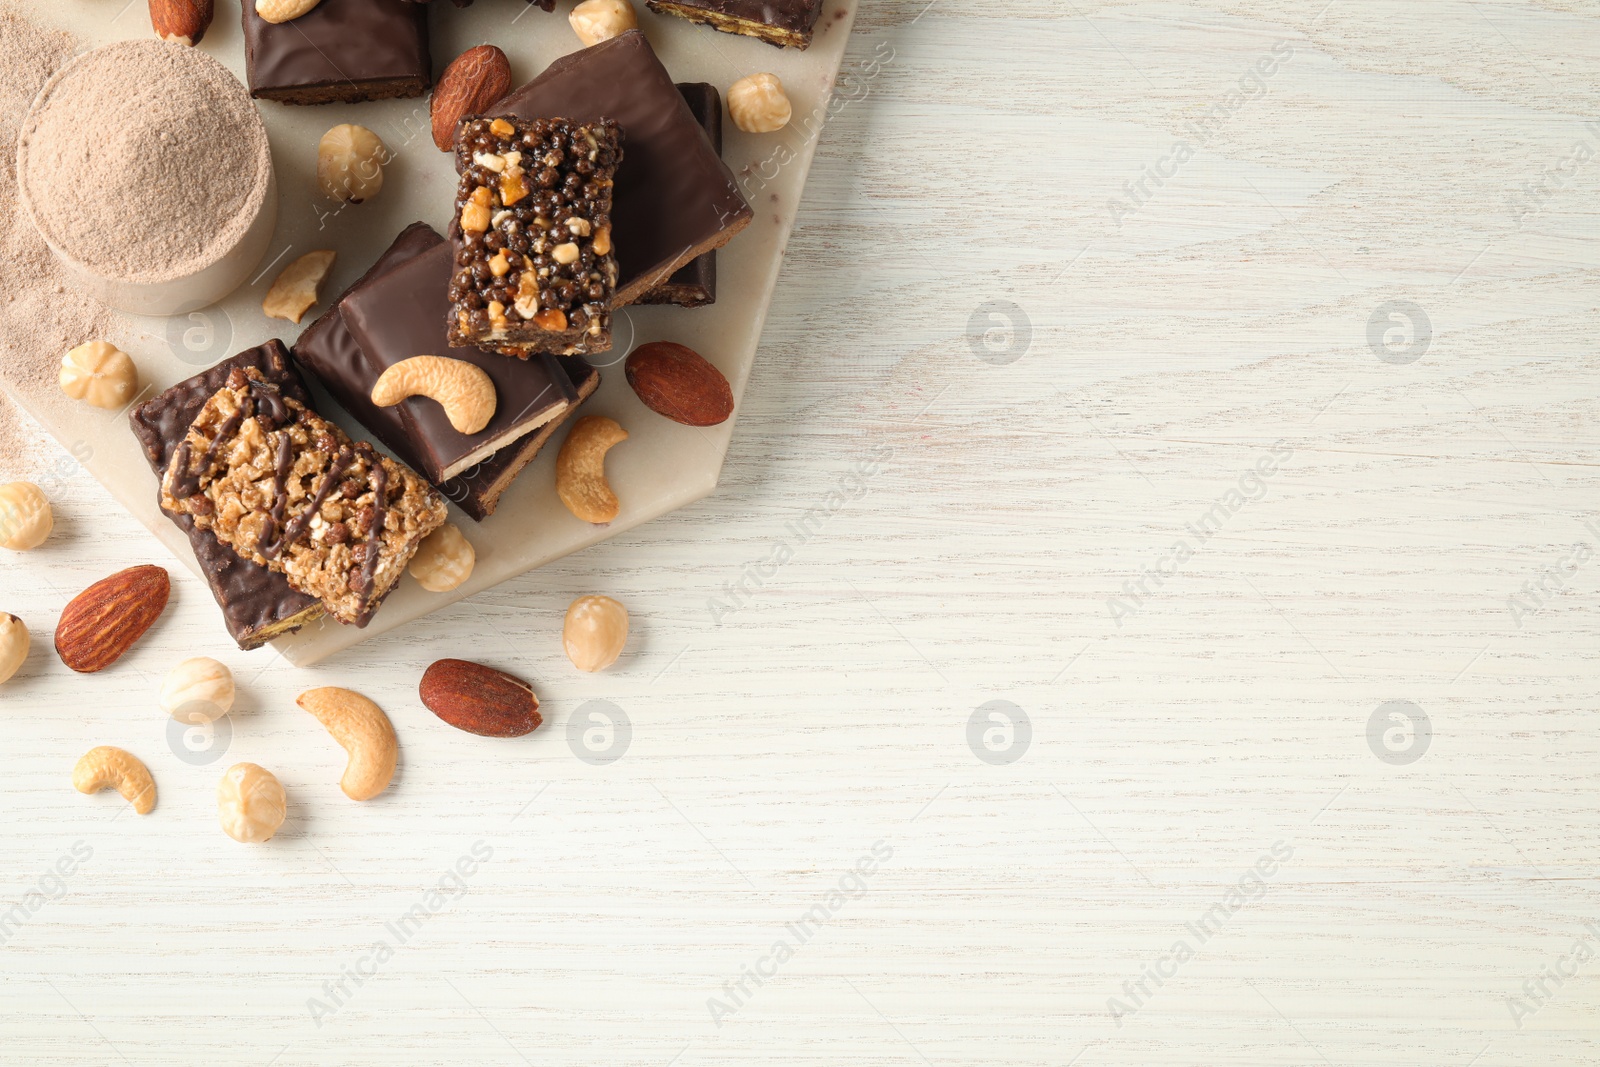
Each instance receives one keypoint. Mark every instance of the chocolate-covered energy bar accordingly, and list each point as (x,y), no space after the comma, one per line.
(330,353)
(257,604)
(342,51)
(695,283)
(675,199)
(287,490)
(535,267)
(786,23)
(402,314)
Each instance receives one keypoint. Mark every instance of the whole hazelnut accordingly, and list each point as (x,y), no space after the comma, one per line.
(197,691)
(25,516)
(758,104)
(251,803)
(600,20)
(594,632)
(350,161)
(99,373)
(444,560)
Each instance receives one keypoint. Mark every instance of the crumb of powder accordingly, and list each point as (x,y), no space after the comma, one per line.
(39,318)
(19,436)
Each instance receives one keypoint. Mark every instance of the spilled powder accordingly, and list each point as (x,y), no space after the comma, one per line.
(19,436)
(144,160)
(40,315)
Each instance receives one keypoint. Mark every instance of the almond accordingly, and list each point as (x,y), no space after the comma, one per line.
(679,383)
(479,699)
(469,85)
(105,620)
(181,21)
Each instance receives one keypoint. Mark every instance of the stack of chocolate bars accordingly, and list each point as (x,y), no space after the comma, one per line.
(288,517)
(598,184)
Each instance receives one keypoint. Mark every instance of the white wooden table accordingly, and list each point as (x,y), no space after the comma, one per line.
(1006,382)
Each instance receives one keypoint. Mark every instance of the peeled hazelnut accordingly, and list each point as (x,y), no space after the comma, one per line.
(758,104)
(99,373)
(600,20)
(251,803)
(444,560)
(350,161)
(595,630)
(25,518)
(197,691)
(14,644)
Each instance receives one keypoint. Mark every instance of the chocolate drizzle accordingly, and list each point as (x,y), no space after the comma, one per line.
(374,544)
(280,492)
(262,402)
(298,525)
(186,482)
(269,404)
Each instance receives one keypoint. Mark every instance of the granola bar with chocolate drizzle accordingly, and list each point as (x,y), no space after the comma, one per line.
(288,490)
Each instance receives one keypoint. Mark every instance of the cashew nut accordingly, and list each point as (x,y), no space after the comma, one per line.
(283,10)
(366,734)
(112,768)
(294,291)
(464,390)
(14,643)
(581,469)
(251,803)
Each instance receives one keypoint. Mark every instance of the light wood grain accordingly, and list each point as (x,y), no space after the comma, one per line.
(769,752)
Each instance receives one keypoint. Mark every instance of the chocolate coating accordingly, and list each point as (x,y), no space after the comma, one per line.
(329,353)
(695,284)
(478,489)
(548,5)
(675,200)
(340,51)
(786,23)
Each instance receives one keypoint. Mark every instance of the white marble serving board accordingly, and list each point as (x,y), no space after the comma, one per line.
(663,465)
